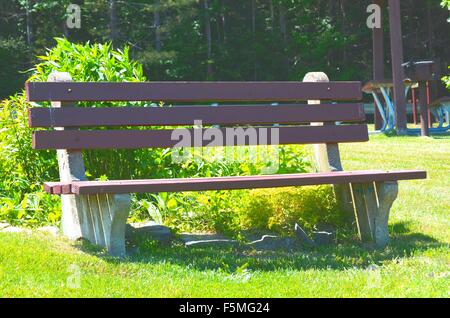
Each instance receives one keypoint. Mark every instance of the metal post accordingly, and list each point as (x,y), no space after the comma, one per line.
(397,70)
(414,105)
(327,156)
(379,105)
(378,61)
(430,119)
(424,128)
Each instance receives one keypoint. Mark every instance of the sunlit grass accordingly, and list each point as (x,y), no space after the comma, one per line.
(416,264)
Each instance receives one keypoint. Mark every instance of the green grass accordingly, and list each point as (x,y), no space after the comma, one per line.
(416,264)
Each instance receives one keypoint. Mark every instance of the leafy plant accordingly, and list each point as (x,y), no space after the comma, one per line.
(23,170)
(88,63)
(279,209)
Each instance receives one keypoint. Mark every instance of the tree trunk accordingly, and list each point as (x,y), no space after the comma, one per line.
(283,30)
(223,20)
(344,30)
(430,30)
(113,32)
(255,64)
(29,24)
(66,30)
(209,71)
(272,14)
(157,25)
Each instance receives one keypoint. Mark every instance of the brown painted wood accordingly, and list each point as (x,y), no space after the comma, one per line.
(228,183)
(54,187)
(378,59)
(192,91)
(132,139)
(399,98)
(185,115)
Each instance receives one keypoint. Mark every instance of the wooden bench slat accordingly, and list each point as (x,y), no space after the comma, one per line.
(132,139)
(185,115)
(192,91)
(229,183)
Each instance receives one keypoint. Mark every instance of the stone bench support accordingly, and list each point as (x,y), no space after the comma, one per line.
(371,202)
(100,218)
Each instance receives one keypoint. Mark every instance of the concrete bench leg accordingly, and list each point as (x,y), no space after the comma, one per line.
(372,203)
(99,218)
(327,156)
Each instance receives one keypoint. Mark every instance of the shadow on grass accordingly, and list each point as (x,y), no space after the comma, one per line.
(441,136)
(415,134)
(404,243)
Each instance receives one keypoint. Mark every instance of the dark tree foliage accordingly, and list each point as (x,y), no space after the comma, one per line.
(221,39)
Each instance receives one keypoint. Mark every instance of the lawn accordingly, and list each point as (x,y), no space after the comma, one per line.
(416,264)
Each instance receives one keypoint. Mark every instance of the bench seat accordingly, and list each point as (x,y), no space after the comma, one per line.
(315,111)
(226,183)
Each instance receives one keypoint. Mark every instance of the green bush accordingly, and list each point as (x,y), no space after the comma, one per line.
(14,55)
(23,170)
(88,63)
(279,209)
(212,211)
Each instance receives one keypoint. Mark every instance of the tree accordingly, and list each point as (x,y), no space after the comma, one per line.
(208,37)
(157,26)
(224,40)
(113,31)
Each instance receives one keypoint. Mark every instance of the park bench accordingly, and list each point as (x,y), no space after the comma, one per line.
(98,210)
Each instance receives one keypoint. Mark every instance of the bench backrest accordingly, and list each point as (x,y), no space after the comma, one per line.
(293,119)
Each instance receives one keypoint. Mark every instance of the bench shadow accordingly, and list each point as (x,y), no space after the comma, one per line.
(352,254)
(441,135)
(433,134)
